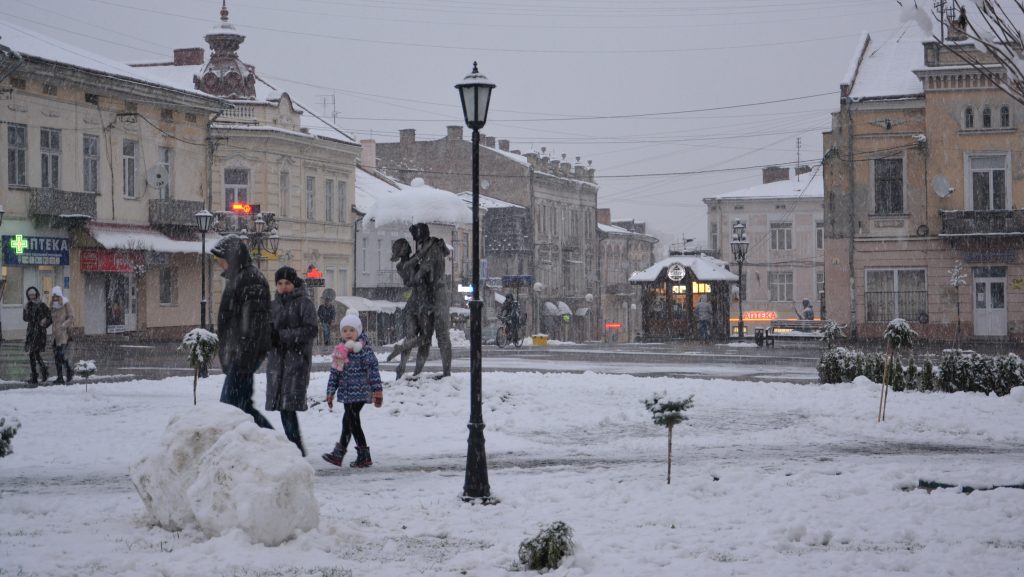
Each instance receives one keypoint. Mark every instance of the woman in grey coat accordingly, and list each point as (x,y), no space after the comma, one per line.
(293,331)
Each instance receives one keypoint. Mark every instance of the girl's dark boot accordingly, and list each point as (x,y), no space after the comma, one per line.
(336,456)
(363,459)
(60,374)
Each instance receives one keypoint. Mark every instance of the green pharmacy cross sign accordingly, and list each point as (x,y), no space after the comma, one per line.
(21,250)
(19,244)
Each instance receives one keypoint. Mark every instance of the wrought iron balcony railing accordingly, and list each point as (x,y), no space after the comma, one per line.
(170,212)
(958,223)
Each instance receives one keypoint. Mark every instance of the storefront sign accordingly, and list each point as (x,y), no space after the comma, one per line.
(99,260)
(35,250)
(676,273)
(613,325)
(994,256)
(517,280)
(759,315)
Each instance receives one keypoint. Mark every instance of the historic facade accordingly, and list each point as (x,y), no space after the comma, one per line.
(923,171)
(625,248)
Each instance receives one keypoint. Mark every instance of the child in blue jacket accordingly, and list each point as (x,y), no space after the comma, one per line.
(355,379)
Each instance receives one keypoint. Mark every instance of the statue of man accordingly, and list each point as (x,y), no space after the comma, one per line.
(418,320)
(430,256)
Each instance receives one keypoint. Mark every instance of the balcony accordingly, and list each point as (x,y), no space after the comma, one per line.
(967,223)
(172,212)
(56,203)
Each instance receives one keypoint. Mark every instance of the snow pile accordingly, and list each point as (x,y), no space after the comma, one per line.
(420,203)
(216,470)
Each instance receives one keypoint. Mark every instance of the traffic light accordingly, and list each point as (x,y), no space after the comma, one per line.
(245,208)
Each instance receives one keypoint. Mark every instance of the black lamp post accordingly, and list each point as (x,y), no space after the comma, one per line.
(1,312)
(260,240)
(204,219)
(739,252)
(475,91)
(1,214)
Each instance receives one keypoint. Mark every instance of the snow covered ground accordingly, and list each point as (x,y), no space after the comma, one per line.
(768,479)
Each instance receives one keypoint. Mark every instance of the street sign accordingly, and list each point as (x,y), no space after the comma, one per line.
(245,208)
(315,282)
(521,280)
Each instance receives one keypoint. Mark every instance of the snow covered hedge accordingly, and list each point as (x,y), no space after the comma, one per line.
(959,370)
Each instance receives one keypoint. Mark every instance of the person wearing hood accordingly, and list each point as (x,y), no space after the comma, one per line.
(62,317)
(243,324)
(293,321)
(37,316)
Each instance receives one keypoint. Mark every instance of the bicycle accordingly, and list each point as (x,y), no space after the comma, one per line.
(515,335)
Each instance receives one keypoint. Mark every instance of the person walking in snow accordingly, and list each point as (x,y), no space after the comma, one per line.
(243,324)
(293,331)
(704,316)
(37,316)
(325,313)
(355,379)
(62,317)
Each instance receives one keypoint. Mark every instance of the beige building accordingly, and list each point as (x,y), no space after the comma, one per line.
(784,226)
(103,169)
(923,170)
(625,247)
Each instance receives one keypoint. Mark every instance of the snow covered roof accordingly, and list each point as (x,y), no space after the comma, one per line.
(809,186)
(371,187)
(886,69)
(419,203)
(119,237)
(704,267)
(515,157)
(365,305)
(488,202)
(30,43)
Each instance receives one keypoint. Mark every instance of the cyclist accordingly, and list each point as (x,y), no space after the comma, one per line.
(509,315)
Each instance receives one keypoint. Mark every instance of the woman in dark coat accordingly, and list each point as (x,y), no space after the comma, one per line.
(37,316)
(293,332)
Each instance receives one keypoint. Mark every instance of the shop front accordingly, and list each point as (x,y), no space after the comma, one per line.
(111,290)
(39,261)
(671,291)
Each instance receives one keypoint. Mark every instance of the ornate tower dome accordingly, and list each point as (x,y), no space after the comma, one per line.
(225,75)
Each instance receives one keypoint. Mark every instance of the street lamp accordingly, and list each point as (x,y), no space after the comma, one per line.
(204,219)
(739,252)
(475,92)
(1,214)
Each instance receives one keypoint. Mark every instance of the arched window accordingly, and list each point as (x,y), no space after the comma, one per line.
(969,117)
(1004,117)
(986,117)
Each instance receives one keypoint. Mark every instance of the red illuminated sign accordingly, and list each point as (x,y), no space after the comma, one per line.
(243,208)
(613,325)
(759,316)
(314,273)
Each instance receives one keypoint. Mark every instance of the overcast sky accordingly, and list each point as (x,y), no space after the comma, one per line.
(562,68)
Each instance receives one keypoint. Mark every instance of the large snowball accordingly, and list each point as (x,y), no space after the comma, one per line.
(216,470)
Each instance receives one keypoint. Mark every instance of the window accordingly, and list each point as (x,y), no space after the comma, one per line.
(969,117)
(92,98)
(780,286)
(819,235)
(362,260)
(819,284)
(236,186)
(781,235)
(49,150)
(896,293)
(166,115)
(342,200)
(165,159)
(986,117)
(713,236)
(191,117)
(17,150)
(889,186)
(168,286)
(1004,117)
(329,200)
(310,197)
(342,287)
(128,150)
(285,194)
(90,163)
(988,182)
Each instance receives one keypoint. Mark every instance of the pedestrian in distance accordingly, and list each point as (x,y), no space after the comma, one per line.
(37,318)
(243,324)
(355,378)
(704,316)
(63,318)
(325,313)
(293,331)
(807,313)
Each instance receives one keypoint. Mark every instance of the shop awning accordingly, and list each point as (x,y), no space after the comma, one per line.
(114,237)
(365,305)
(551,309)
(563,309)
(582,311)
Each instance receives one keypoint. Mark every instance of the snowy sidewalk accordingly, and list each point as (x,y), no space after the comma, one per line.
(807,482)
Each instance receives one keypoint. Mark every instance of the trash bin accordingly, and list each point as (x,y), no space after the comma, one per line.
(540,340)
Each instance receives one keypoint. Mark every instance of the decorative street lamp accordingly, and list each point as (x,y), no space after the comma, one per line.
(475,92)
(204,219)
(739,252)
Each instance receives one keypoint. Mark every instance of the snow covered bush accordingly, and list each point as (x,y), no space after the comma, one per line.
(668,414)
(215,470)
(831,333)
(963,370)
(548,548)
(85,369)
(201,347)
(7,432)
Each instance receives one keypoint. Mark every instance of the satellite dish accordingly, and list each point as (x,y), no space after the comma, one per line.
(157,176)
(941,186)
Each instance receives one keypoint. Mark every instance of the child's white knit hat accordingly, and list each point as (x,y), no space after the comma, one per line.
(352,320)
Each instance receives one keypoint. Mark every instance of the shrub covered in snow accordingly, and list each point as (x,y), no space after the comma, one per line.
(7,432)
(668,413)
(547,549)
(214,469)
(84,368)
(201,347)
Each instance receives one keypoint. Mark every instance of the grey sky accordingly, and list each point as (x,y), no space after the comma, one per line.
(392,64)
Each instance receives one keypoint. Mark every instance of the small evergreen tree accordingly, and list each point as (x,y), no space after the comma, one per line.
(898,337)
(7,432)
(927,377)
(548,548)
(957,279)
(201,346)
(831,333)
(668,414)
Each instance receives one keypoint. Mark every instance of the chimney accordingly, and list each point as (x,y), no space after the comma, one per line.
(590,171)
(503,145)
(489,141)
(531,157)
(956,29)
(368,154)
(564,168)
(579,171)
(604,216)
(407,136)
(771,174)
(454,133)
(188,57)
